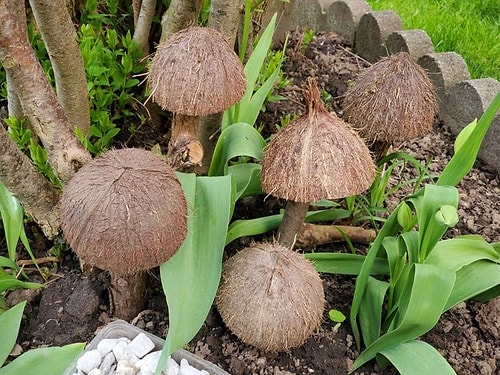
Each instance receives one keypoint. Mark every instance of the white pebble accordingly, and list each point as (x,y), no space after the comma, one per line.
(141,345)
(89,361)
(122,352)
(145,371)
(107,362)
(187,369)
(96,371)
(124,367)
(172,367)
(106,345)
(150,360)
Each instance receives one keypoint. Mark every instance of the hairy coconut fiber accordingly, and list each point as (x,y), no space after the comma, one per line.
(393,100)
(196,73)
(317,156)
(124,211)
(270,297)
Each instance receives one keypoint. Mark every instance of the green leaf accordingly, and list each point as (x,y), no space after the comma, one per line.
(12,215)
(336,316)
(240,139)
(420,309)
(390,228)
(247,179)
(463,160)
(417,358)
(249,110)
(191,277)
(345,264)
(10,321)
(370,310)
(475,279)
(458,252)
(47,361)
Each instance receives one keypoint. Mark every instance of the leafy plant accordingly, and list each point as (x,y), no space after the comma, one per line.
(26,143)
(50,361)
(426,274)
(12,215)
(111,62)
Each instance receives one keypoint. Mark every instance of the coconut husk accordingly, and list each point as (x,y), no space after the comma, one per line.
(317,156)
(270,297)
(195,72)
(393,100)
(124,211)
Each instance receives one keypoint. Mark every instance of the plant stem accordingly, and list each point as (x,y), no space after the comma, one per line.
(294,215)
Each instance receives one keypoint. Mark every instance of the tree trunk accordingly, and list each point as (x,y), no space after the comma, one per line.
(179,15)
(143,25)
(37,195)
(59,36)
(66,154)
(226,16)
(13,104)
(293,217)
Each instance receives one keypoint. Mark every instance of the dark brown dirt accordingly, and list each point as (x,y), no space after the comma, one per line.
(71,307)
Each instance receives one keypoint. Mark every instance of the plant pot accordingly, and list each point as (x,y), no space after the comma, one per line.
(120,328)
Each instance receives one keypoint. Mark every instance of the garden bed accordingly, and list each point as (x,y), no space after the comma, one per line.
(72,307)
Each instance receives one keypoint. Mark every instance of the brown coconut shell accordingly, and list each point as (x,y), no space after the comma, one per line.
(270,297)
(393,100)
(317,156)
(124,211)
(196,73)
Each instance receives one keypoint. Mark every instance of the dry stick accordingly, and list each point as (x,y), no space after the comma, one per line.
(29,262)
(314,234)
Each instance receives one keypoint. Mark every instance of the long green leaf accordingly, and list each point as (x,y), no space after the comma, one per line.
(12,214)
(191,277)
(46,361)
(247,179)
(474,279)
(390,228)
(417,358)
(240,139)
(250,111)
(10,321)
(463,160)
(370,310)
(458,252)
(420,309)
(345,264)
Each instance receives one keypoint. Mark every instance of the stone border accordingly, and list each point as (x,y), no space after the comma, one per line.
(376,34)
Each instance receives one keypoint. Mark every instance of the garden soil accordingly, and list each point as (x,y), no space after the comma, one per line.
(72,307)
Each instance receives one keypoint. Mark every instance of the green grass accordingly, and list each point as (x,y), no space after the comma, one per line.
(468,27)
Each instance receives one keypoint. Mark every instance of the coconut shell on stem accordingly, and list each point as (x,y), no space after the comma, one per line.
(317,156)
(195,73)
(124,212)
(393,100)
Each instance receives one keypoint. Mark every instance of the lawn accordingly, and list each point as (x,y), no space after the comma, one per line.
(468,27)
